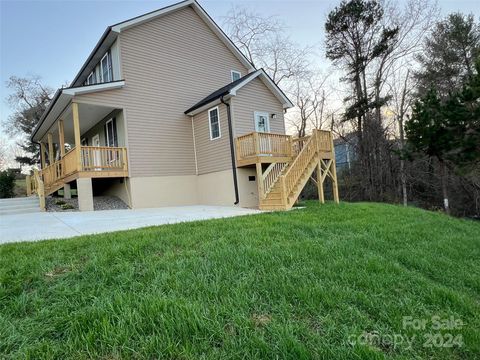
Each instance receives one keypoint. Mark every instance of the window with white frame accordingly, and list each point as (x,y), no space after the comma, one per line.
(214,123)
(236,75)
(262,123)
(92,79)
(106,70)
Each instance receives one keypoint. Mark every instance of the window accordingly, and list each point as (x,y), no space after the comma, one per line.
(236,75)
(111,133)
(92,79)
(262,123)
(214,123)
(106,71)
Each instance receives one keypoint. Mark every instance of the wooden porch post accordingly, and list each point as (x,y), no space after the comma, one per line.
(259,181)
(321,195)
(76,131)
(28,180)
(42,155)
(61,138)
(51,155)
(333,170)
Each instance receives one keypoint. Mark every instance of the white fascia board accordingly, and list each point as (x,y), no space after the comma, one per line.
(94,88)
(233,91)
(269,84)
(147,17)
(276,90)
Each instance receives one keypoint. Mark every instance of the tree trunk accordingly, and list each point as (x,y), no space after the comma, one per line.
(443,170)
(403,180)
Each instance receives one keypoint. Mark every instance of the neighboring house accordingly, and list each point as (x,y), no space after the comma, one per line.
(345,149)
(167,111)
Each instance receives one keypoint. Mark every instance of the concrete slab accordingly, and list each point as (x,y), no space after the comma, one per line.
(55,225)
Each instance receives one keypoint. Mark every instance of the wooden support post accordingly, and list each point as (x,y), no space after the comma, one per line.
(61,138)
(125,160)
(51,155)
(42,155)
(256,143)
(333,171)
(76,131)
(283,192)
(259,181)
(321,195)
(28,180)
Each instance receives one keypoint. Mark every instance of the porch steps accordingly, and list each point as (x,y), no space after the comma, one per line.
(19,206)
(311,157)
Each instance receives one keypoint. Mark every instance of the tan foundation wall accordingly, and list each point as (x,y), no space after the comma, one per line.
(209,189)
(157,191)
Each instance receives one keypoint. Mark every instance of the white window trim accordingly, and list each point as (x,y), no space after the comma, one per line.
(108,66)
(210,124)
(106,132)
(260,113)
(235,72)
(92,74)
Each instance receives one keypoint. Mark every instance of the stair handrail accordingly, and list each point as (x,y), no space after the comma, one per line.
(296,169)
(39,188)
(271,176)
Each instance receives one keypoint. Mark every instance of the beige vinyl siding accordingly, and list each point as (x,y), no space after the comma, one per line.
(255,96)
(212,155)
(99,129)
(168,64)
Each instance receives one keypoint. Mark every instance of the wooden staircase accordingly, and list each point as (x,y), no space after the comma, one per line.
(282,183)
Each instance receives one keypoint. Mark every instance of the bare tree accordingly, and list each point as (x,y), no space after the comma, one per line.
(29,100)
(310,95)
(266,45)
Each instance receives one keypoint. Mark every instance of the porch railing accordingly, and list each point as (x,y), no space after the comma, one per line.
(263,144)
(90,158)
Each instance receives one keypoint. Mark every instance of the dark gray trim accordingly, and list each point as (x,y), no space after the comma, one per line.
(95,49)
(232,151)
(219,93)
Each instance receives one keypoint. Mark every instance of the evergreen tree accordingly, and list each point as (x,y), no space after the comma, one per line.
(449,53)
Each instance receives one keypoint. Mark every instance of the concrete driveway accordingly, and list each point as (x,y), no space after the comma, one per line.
(54,225)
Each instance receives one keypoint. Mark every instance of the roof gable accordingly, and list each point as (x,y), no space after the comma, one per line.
(112,32)
(231,89)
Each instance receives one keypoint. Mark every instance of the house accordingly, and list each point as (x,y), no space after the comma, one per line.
(345,151)
(167,111)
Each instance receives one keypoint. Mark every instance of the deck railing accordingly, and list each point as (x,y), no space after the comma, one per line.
(253,145)
(320,141)
(89,159)
(263,144)
(103,158)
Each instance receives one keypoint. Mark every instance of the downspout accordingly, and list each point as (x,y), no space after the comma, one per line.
(232,151)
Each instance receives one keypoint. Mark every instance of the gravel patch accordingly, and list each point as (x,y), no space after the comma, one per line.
(99,203)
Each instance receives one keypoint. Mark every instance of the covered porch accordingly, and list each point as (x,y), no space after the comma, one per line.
(79,141)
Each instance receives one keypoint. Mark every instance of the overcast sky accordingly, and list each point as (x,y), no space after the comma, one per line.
(52,39)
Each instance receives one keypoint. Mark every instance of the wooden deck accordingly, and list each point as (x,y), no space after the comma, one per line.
(292,161)
(268,148)
(88,161)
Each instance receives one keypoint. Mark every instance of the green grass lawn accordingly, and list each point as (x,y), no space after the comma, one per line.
(301,284)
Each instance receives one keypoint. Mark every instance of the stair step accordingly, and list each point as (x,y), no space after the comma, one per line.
(272,202)
(272,207)
(274,196)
